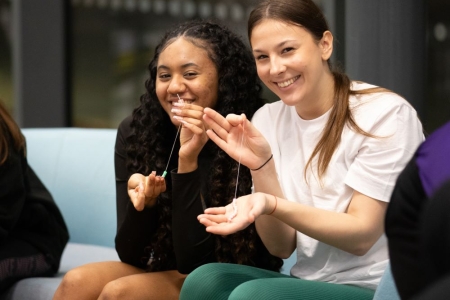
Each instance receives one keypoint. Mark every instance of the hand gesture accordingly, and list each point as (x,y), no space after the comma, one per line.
(253,150)
(143,190)
(193,132)
(225,220)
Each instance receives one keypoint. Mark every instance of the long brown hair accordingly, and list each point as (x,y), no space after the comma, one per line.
(306,14)
(9,133)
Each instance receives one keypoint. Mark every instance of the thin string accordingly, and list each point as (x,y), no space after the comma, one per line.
(239,162)
(173,146)
(237,177)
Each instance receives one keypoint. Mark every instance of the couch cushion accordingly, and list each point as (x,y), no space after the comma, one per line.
(32,288)
(79,254)
(77,167)
(74,255)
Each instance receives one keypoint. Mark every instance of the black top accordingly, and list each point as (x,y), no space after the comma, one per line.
(28,212)
(193,246)
(402,225)
(435,246)
(413,194)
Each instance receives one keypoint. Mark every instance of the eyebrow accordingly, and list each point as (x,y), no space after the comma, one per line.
(190,64)
(277,46)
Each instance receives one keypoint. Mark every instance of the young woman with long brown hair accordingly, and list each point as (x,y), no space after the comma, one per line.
(324,161)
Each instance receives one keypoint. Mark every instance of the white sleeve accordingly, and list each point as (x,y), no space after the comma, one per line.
(380,160)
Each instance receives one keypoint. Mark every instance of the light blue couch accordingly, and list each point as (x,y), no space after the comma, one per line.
(77,166)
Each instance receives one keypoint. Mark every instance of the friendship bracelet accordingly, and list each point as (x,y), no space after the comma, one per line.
(263,163)
(275,207)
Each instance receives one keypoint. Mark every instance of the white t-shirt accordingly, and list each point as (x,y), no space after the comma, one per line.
(368,165)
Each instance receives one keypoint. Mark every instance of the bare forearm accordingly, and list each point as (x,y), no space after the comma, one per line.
(354,231)
(278,237)
(350,233)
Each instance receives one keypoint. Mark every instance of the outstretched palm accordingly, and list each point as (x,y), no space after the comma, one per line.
(220,220)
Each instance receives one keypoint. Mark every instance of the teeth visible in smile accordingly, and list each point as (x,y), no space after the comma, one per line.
(187,102)
(287,82)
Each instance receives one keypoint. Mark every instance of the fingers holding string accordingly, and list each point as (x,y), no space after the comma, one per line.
(190,116)
(236,120)
(250,130)
(185,109)
(216,122)
(194,125)
(155,185)
(223,126)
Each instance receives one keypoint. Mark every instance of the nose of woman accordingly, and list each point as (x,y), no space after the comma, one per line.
(276,67)
(176,86)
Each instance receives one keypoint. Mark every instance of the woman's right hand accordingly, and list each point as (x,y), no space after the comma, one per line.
(193,132)
(253,151)
(143,190)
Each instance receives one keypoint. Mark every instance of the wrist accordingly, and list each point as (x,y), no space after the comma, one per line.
(187,165)
(274,202)
(263,164)
(267,171)
(150,201)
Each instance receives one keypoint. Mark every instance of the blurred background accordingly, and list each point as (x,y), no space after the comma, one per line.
(83,63)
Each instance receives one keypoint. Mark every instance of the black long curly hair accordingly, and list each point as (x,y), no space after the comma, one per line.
(239,91)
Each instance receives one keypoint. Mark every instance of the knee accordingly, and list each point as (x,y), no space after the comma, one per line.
(203,282)
(71,283)
(115,289)
(207,272)
(250,290)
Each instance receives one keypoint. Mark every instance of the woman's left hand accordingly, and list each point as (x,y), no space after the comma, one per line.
(225,220)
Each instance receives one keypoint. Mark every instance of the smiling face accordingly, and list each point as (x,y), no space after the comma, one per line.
(186,70)
(293,65)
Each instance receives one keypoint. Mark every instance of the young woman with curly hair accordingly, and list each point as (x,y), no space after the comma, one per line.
(158,237)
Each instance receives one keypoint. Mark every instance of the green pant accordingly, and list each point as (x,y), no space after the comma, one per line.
(218,281)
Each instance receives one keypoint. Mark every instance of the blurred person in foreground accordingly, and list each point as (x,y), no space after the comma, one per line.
(33,233)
